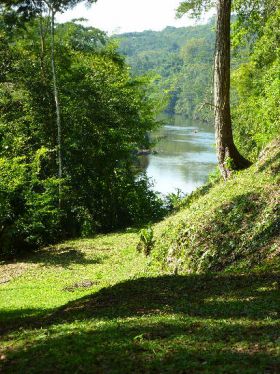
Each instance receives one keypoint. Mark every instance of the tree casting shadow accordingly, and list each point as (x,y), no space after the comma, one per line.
(212,313)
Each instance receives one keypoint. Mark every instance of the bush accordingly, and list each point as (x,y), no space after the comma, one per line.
(29,215)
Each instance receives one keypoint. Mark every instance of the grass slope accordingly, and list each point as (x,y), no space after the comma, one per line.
(99,306)
(229,226)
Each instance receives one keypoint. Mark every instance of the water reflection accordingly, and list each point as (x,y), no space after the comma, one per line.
(185,155)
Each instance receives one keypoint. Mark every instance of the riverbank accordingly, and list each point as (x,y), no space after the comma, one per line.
(226,226)
(98,305)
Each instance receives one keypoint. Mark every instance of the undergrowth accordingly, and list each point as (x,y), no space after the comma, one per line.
(99,306)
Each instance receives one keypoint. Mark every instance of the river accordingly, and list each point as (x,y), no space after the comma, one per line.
(185,155)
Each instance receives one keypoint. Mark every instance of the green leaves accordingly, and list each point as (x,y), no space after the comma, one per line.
(179,63)
(106,115)
(194,7)
(28,204)
(256,117)
(147,241)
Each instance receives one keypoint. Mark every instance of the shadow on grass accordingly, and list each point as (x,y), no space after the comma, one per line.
(207,296)
(232,235)
(146,348)
(66,256)
(168,324)
(11,320)
(63,257)
(273,161)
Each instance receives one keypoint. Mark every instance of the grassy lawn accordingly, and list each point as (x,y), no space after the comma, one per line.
(98,306)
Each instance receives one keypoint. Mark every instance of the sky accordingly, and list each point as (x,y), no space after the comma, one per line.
(118,16)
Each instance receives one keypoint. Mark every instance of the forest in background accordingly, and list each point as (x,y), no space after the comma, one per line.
(180,60)
(196,292)
(181,63)
(107,110)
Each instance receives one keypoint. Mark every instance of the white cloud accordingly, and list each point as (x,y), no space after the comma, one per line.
(128,15)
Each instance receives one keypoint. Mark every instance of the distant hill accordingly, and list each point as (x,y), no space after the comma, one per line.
(181,57)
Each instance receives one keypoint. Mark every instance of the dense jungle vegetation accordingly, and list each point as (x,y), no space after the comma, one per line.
(181,63)
(99,274)
(180,60)
(106,115)
(107,109)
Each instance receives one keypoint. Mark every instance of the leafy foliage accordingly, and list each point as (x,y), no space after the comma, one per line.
(257,85)
(194,7)
(146,241)
(29,211)
(181,61)
(105,117)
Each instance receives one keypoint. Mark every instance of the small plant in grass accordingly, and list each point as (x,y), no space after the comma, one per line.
(173,200)
(146,242)
(229,163)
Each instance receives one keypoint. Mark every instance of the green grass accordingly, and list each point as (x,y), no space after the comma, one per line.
(133,319)
(41,281)
(99,306)
(235,225)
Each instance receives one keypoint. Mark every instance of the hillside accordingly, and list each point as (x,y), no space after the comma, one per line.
(97,305)
(181,58)
(99,273)
(226,226)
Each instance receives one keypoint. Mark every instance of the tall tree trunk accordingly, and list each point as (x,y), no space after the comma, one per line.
(43,48)
(57,108)
(228,156)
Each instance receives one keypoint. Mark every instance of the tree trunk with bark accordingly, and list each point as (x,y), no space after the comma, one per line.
(57,107)
(228,156)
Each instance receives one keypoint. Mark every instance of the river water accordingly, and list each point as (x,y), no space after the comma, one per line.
(185,155)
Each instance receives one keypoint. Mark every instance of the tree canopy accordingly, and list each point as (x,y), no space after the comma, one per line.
(105,117)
